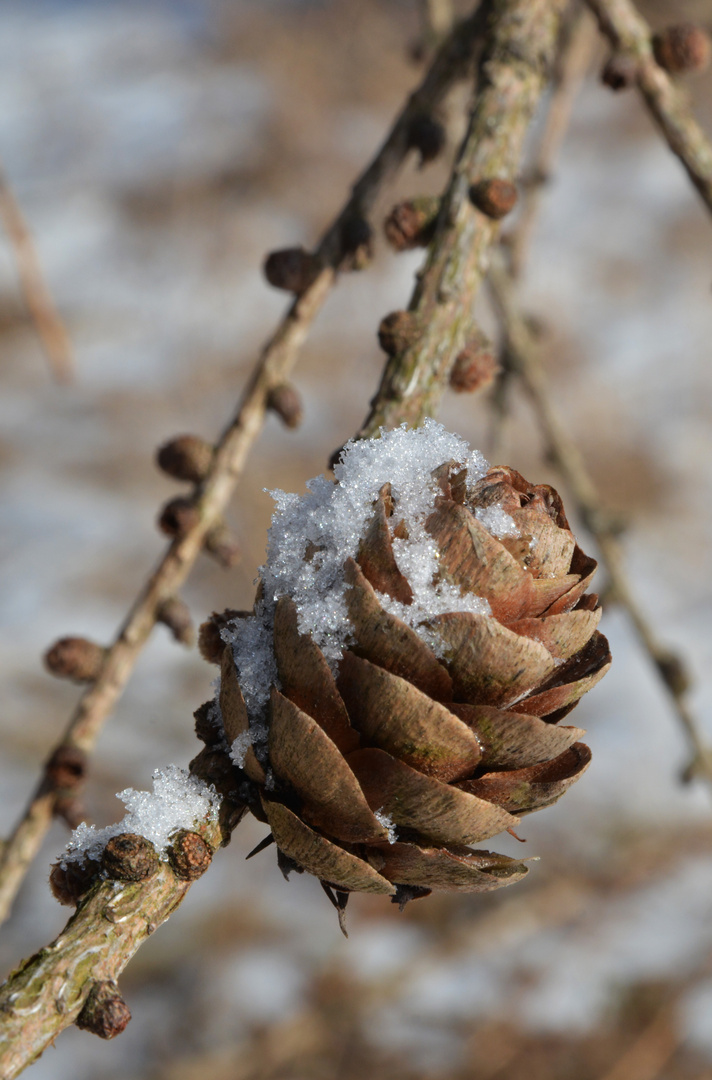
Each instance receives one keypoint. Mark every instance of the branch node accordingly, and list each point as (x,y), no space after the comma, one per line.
(186,457)
(285,400)
(189,856)
(75,658)
(129,857)
(222,545)
(495,197)
(175,614)
(397,331)
(105,1012)
(291,269)
(682,49)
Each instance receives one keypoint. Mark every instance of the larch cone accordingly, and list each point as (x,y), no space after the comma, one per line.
(378,771)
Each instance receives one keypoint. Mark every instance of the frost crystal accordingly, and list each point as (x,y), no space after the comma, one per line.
(312,536)
(178,801)
(388,824)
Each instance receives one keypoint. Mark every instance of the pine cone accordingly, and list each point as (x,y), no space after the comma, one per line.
(396,697)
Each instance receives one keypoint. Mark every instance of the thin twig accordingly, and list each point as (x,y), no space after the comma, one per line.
(523,357)
(576,50)
(50,328)
(212,496)
(512,76)
(570,71)
(628,33)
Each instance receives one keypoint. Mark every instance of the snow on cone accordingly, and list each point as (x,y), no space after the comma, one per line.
(422,627)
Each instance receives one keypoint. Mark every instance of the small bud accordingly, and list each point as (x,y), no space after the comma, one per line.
(178,517)
(210,643)
(619,72)
(411,224)
(475,367)
(75,658)
(494,197)
(129,857)
(174,614)
(291,269)
(105,1012)
(189,856)
(396,332)
(187,457)
(205,727)
(285,401)
(70,883)
(356,242)
(222,545)
(427,136)
(682,49)
(66,768)
(673,671)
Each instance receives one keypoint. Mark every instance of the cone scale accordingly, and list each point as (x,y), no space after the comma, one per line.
(396,699)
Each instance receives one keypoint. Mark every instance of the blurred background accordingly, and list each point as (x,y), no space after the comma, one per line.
(159,150)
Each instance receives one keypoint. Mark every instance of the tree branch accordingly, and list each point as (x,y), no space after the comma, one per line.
(211,497)
(628,33)
(512,76)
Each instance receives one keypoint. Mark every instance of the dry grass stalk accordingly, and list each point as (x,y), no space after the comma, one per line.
(213,493)
(43,312)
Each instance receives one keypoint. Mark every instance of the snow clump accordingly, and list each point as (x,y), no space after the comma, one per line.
(178,801)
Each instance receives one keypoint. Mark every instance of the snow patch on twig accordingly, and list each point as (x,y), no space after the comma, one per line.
(178,801)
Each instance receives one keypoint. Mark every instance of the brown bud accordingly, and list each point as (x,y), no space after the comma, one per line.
(69,884)
(427,136)
(187,457)
(494,197)
(129,857)
(105,1012)
(285,401)
(222,545)
(682,49)
(178,517)
(189,856)
(396,332)
(205,727)
(356,242)
(619,72)
(75,658)
(66,768)
(291,269)
(411,224)
(674,672)
(174,614)
(475,367)
(210,644)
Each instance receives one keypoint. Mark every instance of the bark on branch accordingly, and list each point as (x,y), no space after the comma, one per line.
(512,75)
